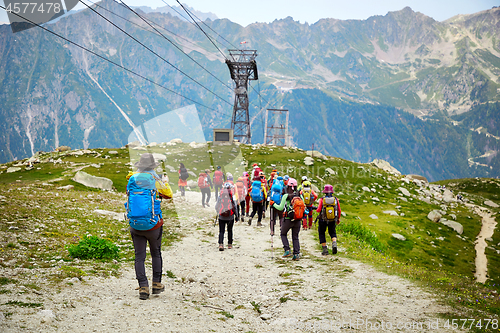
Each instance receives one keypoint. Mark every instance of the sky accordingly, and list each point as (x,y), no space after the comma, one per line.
(310,11)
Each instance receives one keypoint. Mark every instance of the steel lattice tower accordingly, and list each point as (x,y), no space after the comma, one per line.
(242,68)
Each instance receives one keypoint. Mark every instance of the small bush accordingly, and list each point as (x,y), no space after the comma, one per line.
(94,248)
(363,234)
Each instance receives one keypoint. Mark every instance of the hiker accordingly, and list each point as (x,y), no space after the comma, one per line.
(183,176)
(219,179)
(309,198)
(207,171)
(256,171)
(246,179)
(204,188)
(146,222)
(329,217)
(275,194)
(258,195)
(266,202)
(226,208)
(293,208)
(242,191)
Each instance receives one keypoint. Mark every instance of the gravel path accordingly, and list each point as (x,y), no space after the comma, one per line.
(224,291)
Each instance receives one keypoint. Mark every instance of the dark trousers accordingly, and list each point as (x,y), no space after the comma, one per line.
(217,190)
(242,208)
(322,225)
(140,239)
(257,208)
(205,192)
(222,229)
(276,215)
(295,226)
(183,190)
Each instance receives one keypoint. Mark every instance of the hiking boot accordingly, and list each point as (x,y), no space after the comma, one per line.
(250,221)
(259,224)
(242,219)
(287,254)
(221,247)
(207,204)
(229,246)
(143,293)
(296,257)
(264,215)
(334,247)
(158,287)
(325,251)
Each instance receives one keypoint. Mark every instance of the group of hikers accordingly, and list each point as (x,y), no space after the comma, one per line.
(290,204)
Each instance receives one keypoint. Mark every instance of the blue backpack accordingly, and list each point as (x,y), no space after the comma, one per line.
(257,194)
(276,192)
(143,209)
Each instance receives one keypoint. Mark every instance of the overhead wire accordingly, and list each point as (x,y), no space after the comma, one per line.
(156,24)
(210,39)
(185,18)
(153,52)
(110,61)
(175,45)
(209,27)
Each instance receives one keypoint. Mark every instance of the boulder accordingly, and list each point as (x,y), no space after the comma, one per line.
(308,160)
(404,191)
(13,169)
(159,157)
(192,183)
(384,165)
(93,181)
(175,141)
(434,216)
(112,152)
(453,216)
(448,196)
(375,199)
(491,204)
(367,189)
(330,171)
(67,187)
(399,237)
(453,225)
(417,177)
(390,212)
(63,148)
(374,217)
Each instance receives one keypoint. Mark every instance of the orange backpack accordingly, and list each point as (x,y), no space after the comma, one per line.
(297,208)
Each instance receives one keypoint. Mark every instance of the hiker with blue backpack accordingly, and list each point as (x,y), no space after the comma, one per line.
(293,208)
(258,195)
(146,223)
(275,194)
(329,217)
(227,211)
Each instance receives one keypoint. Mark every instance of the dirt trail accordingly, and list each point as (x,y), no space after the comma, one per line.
(487,230)
(214,291)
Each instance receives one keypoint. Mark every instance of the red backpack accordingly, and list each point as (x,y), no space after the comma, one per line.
(226,203)
(218,177)
(202,181)
(240,187)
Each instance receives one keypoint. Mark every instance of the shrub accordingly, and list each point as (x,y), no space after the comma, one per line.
(94,248)
(362,234)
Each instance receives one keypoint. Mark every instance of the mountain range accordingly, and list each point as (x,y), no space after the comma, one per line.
(421,94)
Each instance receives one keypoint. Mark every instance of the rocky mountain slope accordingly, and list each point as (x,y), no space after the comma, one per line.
(56,94)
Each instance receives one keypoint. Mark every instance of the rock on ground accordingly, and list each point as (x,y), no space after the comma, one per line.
(93,181)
